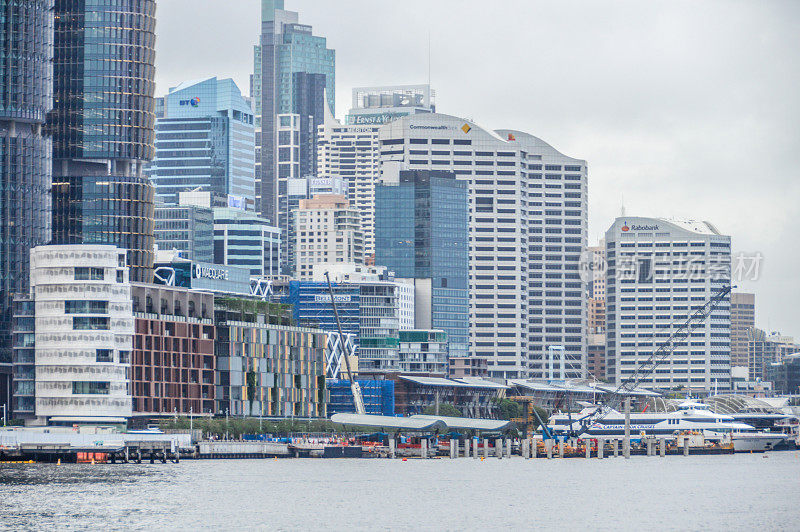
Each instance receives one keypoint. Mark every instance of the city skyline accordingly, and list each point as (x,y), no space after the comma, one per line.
(631,112)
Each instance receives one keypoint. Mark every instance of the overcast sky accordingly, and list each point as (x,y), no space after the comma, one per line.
(681,108)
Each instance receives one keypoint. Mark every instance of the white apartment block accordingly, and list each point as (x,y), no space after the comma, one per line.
(84,333)
(528,227)
(659,272)
(352,152)
(327,230)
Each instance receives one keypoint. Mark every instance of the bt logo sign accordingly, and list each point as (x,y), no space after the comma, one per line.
(194,102)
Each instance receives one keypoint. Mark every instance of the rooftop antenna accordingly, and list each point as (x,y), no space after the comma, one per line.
(429,58)
(622,208)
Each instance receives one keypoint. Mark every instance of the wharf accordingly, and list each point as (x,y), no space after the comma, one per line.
(67,445)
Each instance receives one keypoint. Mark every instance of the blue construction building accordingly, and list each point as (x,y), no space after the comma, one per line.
(378,397)
(311,304)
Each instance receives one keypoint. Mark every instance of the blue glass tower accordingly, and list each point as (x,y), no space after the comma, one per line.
(422,233)
(205,140)
(288,48)
(102,126)
(26,96)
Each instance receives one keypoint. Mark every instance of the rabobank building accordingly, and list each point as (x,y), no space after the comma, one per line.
(659,273)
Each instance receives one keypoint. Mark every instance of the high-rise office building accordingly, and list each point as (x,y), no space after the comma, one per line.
(660,272)
(244,239)
(26,96)
(102,126)
(422,234)
(743,318)
(528,227)
(187,229)
(293,81)
(327,230)
(205,141)
(352,151)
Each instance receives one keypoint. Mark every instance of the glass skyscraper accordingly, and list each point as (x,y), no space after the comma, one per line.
(205,140)
(26,96)
(293,69)
(422,233)
(102,126)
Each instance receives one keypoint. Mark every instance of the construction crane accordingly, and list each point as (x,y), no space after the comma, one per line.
(358,398)
(647,367)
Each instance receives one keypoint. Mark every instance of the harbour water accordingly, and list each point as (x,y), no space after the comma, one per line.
(725,492)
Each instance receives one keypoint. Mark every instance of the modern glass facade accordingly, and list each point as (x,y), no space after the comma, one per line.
(287,48)
(26,96)
(188,229)
(104,79)
(244,239)
(102,126)
(422,232)
(205,140)
(102,210)
(24,341)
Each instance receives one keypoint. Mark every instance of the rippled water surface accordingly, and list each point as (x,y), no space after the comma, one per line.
(740,492)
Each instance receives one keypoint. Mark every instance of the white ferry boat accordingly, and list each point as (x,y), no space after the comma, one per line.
(690,416)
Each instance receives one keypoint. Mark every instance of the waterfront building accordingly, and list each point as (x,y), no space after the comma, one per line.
(174,270)
(743,318)
(242,238)
(785,375)
(659,272)
(378,397)
(293,81)
(186,229)
(764,349)
(528,227)
(311,304)
(265,368)
(205,140)
(460,367)
(372,305)
(102,127)
(327,230)
(173,365)
(26,96)
(379,105)
(423,351)
(83,333)
(422,234)
(474,397)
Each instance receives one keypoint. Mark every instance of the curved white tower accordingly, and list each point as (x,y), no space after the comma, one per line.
(84,333)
